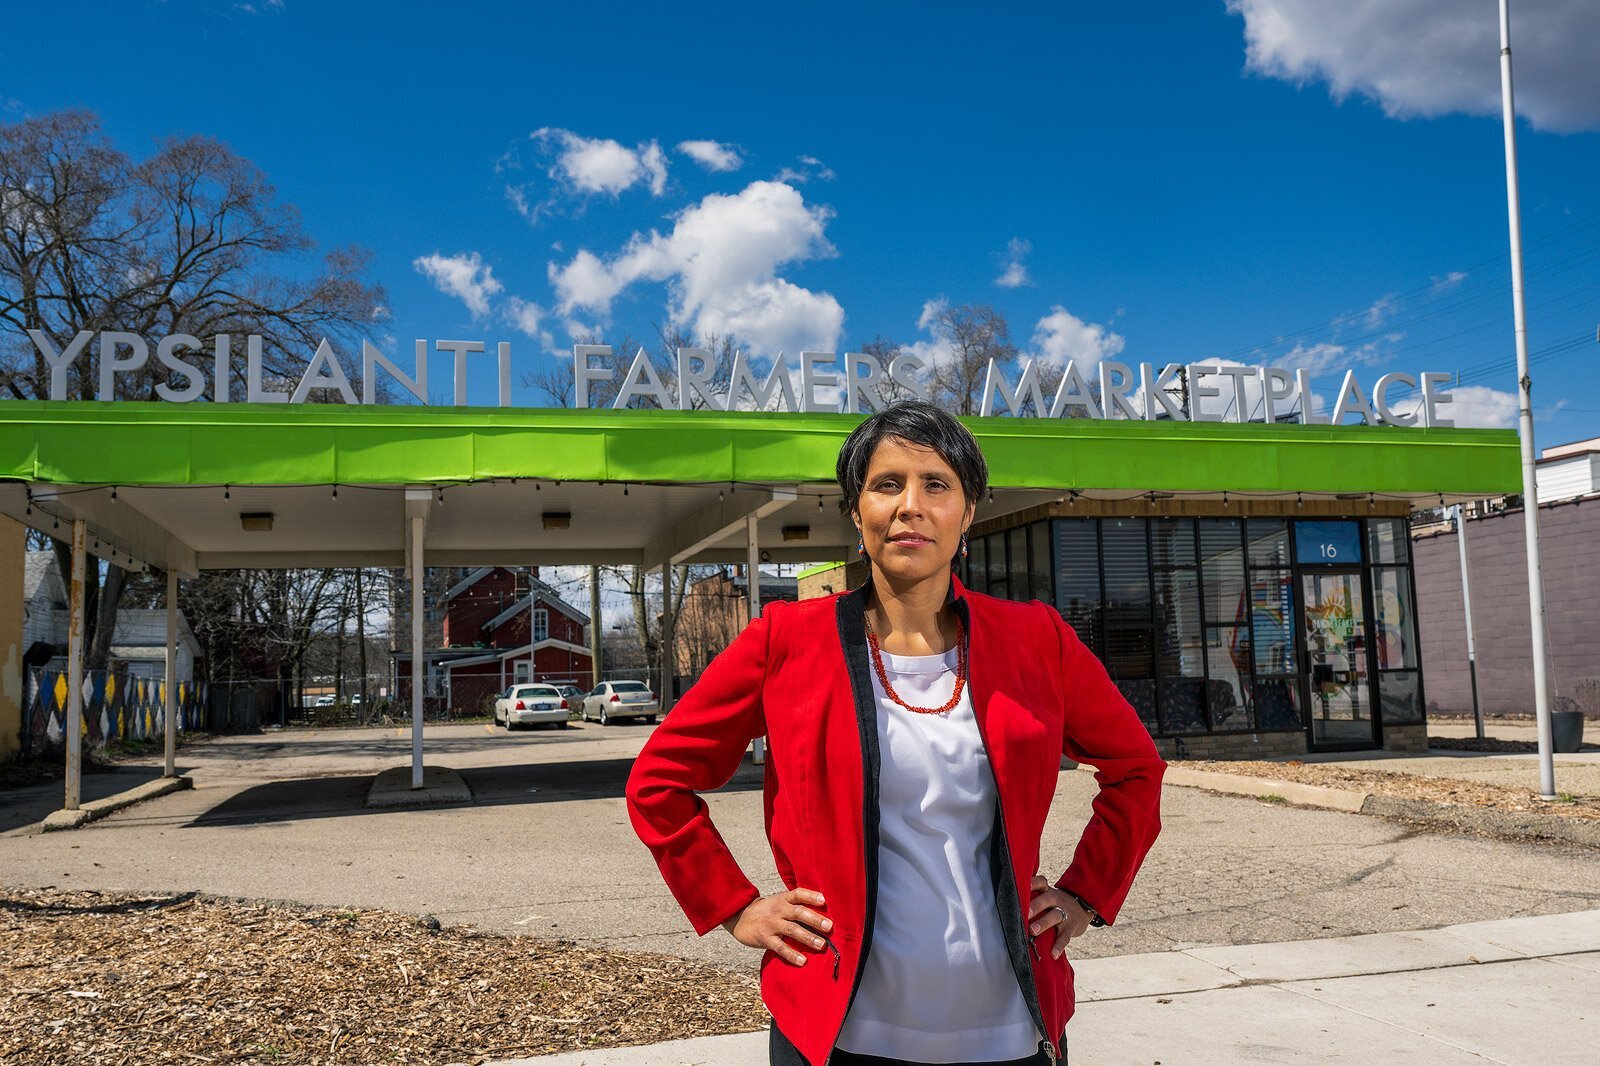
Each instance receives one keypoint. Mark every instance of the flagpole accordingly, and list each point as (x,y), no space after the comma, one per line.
(1530,487)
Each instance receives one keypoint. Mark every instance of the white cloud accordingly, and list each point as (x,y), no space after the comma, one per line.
(1420,58)
(528,318)
(600,165)
(1449,281)
(1015,274)
(720,263)
(712,155)
(810,167)
(1061,335)
(465,277)
(1475,406)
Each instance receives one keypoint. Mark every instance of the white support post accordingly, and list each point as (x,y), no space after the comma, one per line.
(596,627)
(1466,602)
(668,648)
(419,653)
(758,746)
(169,694)
(75,666)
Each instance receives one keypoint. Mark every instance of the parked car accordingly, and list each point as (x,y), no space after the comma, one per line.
(531,705)
(573,694)
(324,701)
(611,700)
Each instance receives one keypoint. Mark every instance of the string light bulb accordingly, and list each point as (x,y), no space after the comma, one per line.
(336,492)
(227,493)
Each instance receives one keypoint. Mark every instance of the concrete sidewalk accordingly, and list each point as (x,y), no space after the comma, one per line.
(1520,990)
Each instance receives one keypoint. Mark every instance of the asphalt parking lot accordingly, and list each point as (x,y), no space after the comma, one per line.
(545,847)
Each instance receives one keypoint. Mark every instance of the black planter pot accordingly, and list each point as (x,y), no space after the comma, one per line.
(1566,731)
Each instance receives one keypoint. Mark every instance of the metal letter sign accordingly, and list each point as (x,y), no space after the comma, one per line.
(1325,543)
(810,382)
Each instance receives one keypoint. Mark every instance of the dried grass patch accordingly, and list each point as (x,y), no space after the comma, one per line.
(1405,786)
(89,977)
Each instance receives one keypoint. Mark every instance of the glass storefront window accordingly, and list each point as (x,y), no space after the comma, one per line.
(1078,578)
(1180,651)
(1228,663)
(1388,540)
(1278,703)
(1222,566)
(1400,697)
(1017,570)
(995,581)
(1272,619)
(1172,541)
(1130,660)
(1269,541)
(1127,565)
(1394,623)
(1039,561)
(977,563)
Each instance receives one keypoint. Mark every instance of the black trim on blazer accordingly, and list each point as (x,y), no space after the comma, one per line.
(851,612)
(1002,872)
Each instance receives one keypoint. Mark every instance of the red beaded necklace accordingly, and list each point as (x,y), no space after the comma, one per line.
(961,673)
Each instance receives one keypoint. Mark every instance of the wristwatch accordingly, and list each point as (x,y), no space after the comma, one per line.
(1094,915)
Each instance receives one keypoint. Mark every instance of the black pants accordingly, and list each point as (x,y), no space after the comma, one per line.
(850,1058)
(784,1054)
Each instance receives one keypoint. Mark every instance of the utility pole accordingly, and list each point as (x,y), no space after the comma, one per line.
(1530,487)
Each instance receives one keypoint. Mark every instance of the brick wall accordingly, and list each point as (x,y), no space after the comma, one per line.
(1569,536)
(1412,738)
(1232,746)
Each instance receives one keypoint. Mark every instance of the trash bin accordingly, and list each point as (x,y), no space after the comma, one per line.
(1566,731)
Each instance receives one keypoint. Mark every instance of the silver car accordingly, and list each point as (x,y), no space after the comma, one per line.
(531,705)
(621,699)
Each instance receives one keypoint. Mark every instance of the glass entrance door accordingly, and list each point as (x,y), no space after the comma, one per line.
(1340,705)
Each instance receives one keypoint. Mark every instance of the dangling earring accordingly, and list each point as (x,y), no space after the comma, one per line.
(963,545)
(861,545)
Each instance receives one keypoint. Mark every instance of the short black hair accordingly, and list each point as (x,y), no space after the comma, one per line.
(915,422)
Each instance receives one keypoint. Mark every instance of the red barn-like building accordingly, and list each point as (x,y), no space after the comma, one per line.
(505,626)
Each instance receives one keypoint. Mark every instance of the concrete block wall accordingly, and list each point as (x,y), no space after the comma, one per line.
(1569,535)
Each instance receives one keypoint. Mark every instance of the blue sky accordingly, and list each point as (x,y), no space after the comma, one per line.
(1277,181)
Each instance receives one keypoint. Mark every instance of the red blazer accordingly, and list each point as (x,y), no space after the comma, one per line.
(799,675)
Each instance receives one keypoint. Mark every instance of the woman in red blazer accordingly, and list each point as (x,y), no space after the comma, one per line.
(915,733)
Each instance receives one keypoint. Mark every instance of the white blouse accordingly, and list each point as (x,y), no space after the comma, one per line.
(938,984)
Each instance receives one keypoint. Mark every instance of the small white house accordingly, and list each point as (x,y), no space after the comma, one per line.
(139,641)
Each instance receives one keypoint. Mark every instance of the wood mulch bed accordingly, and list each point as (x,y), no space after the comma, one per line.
(1405,786)
(90,977)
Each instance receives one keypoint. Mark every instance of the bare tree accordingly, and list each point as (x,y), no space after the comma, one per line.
(884,351)
(974,334)
(192,240)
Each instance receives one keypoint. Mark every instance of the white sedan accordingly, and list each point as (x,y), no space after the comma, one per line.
(621,699)
(531,705)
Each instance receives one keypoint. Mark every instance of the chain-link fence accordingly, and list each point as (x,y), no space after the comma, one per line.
(115,707)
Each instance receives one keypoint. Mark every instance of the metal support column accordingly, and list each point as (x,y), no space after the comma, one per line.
(758,746)
(419,653)
(1466,602)
(596,626)
(75,665)
(169,692)
(668,649)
